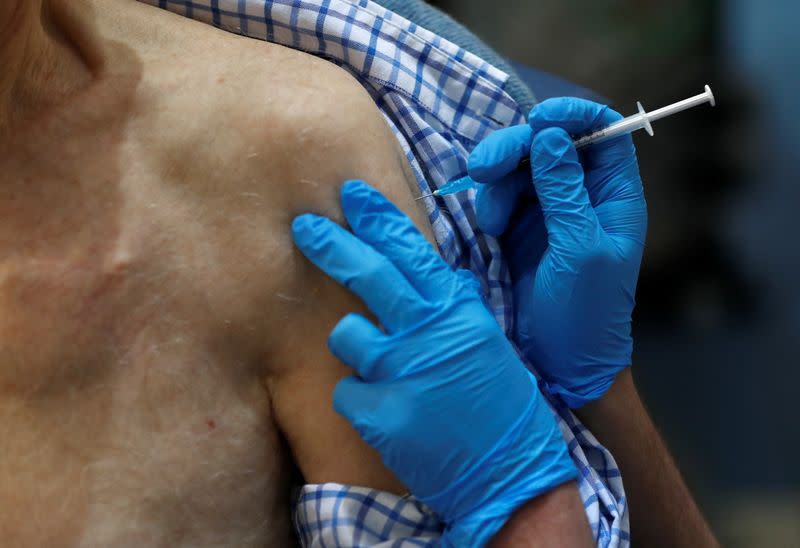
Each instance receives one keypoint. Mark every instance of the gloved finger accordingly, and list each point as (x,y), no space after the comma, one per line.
(570,220)
(525,239)
(357,342)
(499,154)
(579,117)
(379,223)
(611,166)
(494,203)
(469,279)
(360,268)
(358,402)
(624,216)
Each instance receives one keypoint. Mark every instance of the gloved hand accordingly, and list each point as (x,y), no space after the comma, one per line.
(439,391)
(574,253)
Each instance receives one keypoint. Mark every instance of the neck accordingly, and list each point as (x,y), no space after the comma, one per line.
(42,64)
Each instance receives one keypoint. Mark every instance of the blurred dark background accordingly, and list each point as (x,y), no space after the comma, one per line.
(717,325)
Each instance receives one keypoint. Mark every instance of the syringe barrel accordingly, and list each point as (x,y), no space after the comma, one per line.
(626,125)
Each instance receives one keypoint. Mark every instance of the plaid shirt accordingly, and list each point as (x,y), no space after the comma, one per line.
(440,100)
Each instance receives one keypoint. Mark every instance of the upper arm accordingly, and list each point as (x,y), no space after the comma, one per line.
(337,135)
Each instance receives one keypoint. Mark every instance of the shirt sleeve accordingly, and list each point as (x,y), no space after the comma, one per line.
(343,516)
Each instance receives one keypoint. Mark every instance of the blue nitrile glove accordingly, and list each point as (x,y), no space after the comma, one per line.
(439,391)
(574,253)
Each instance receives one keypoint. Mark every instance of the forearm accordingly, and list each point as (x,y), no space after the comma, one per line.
(662,510)
(554,520)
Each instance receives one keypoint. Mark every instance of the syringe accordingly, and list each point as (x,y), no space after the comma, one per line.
(640,120)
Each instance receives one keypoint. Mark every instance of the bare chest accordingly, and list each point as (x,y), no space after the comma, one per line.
(128,364)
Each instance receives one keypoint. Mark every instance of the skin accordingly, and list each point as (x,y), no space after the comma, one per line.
(553,520)
(162,343)
(662,510)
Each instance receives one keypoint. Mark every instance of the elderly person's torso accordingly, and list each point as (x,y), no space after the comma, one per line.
(159,334)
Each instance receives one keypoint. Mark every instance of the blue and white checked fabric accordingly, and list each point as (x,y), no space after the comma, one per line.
(332,514)
(440,100)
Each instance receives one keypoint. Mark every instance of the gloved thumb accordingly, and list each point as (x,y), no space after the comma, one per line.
(569,217)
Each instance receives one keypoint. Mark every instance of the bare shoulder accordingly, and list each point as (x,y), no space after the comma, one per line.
(252,134)
(309,119)
(320,127)
(300,127)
